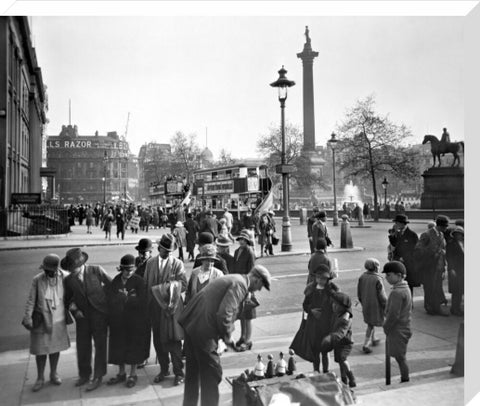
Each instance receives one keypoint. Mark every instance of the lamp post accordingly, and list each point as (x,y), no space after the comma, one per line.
(333,144)
(384,185)
(282,84)
(104,179)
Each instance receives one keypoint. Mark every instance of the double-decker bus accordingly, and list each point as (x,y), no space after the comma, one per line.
(167,194)
(238,187)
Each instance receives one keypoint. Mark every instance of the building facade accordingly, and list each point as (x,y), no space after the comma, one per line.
(89,169)
(23,106)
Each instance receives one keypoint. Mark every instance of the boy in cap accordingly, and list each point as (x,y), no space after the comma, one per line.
(318,306)
(340,337)
(398,316)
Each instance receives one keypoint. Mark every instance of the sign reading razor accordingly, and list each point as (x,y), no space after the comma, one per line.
(84,144)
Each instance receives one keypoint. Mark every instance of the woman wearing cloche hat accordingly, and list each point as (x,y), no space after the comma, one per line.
(244,257)
(46,318)
(205,273)
(127,307)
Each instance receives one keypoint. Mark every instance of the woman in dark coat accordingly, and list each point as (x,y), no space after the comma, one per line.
(192,230)
(129,328)
(244,261)
(456,269)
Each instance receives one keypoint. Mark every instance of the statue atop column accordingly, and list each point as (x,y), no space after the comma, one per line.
(307,35)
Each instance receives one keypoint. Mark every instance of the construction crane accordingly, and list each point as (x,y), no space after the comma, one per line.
(126,128)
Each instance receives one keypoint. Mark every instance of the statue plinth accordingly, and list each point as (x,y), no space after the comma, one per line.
(443,188)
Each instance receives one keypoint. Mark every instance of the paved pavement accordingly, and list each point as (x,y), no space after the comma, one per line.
(430,356)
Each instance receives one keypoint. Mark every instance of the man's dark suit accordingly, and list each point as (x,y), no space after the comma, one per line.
(89,297)
(404,245)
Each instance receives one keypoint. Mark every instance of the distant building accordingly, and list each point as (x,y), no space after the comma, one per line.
(154,161)
(89,168)
(23,106)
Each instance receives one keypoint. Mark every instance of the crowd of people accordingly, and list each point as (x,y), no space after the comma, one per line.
(191,320)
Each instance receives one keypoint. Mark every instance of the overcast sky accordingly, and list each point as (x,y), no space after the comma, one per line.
(211,75)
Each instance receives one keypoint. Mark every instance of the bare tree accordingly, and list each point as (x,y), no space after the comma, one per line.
(225,158)
(270,145)
(186,154)
(370,144)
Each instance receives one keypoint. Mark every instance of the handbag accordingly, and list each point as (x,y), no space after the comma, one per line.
(301,344)
(275,239)
(37,319)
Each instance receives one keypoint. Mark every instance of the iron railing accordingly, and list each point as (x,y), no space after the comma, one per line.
(26,220)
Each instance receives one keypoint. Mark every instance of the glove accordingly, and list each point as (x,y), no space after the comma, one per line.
(316,313)
(326,344)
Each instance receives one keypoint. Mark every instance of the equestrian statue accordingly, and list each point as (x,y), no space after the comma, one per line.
(444,146)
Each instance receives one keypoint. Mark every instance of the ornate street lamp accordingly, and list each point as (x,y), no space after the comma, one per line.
(333,144)
(104,179)
(282,84)
(385,185)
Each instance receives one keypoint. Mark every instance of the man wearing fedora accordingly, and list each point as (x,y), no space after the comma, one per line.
(431,249)
(144,249)
(166,279)
(223,251)
(320,230)
(208,317)
(403,240)
(86,299)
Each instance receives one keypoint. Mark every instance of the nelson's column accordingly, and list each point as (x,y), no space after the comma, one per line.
(316,162)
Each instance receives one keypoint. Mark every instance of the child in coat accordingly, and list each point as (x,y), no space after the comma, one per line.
(398,316)
(340,337)
(372,297)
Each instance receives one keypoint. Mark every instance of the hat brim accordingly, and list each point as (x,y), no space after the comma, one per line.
(400,221)
(140,249)
(126,267)
(226,244)
(53,269)
(168,249)
(67,264)
(206,257)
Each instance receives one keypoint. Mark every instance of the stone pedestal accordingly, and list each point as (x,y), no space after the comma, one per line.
(443,188)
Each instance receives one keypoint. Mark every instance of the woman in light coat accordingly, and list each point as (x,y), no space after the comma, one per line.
(46,318)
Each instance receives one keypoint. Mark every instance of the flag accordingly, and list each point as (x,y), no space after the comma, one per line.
(187,199)
(266,205)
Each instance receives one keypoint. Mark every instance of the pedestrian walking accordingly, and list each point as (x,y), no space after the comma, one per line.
(166,281)
(191,226)
(310,221)
(320,230)
(340,336)
(86,299)
(46,317)
(89,215)
(211,315)
(244,261)
(107,221)
(371,295)
(128,322)
(265,234)
(319,257)
(180,235)
(121,222)
(398,316)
